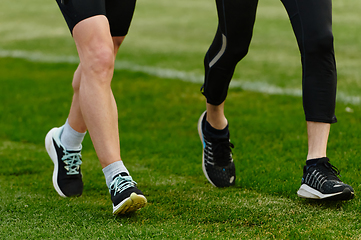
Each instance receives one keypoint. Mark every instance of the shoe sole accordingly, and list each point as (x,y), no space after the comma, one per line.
(306,191)
(53,156)
(130,204)
(200,132)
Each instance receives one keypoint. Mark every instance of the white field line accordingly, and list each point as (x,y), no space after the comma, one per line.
(261,87)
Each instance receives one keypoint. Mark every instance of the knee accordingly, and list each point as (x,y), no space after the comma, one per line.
(237,48)
(321,43)
(227,51)
(238,53)
(233,55)
(100,64)
(103,61)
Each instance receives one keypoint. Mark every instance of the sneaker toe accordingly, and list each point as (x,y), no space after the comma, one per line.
(71,187)
(345,191)
(130,200)
(222,176)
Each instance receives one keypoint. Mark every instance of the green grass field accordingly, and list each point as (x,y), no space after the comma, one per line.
(158,116)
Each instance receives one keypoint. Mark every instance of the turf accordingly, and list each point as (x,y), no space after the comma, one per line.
(162,150)
(159,139)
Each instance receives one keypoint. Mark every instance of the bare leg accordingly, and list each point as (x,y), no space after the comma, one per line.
(320,180)
(216,117)
(317,139)
(75,117)
(317,132)
(94,106)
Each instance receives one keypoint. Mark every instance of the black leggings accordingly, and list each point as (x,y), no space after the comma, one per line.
(312,24)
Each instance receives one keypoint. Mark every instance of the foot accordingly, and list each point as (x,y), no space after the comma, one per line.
(320,181)
(217,162)
(67,178)
(126,197)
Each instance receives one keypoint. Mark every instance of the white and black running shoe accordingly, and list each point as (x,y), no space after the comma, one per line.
(320,181)
(126,197)
(217,161)
(67,177)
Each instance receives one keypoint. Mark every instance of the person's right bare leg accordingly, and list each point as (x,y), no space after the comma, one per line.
(97,49)
(96,100)
(75,118)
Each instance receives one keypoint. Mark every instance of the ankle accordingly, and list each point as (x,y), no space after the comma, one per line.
(313,161)
(215,116)
(316,156)
(114,169)
(218,122)
(216,133)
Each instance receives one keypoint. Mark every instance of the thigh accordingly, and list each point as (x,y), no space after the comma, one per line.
(236,17)
(309,18)
(119,14)
(75,11)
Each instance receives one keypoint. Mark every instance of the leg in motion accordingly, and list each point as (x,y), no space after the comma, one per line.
(63,145)
(312,25)
(100,113)
(320,180)
(93,107)
(230,45)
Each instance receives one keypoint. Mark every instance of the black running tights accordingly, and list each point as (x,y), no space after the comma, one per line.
(312,25)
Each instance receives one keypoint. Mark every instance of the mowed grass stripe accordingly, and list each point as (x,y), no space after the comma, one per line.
(262,87)
(178,41)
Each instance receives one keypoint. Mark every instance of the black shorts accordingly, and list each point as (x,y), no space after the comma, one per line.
(118,12)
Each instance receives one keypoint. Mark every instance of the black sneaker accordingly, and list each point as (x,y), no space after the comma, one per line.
(217,162)
(320,181)
(67,178)
(126,197)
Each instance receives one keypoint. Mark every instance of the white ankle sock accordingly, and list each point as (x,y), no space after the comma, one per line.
(112,170)
(70,138)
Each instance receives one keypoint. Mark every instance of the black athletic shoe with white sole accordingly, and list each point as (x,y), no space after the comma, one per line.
(67,177)
(217,161)
(320,181)
(126,197)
